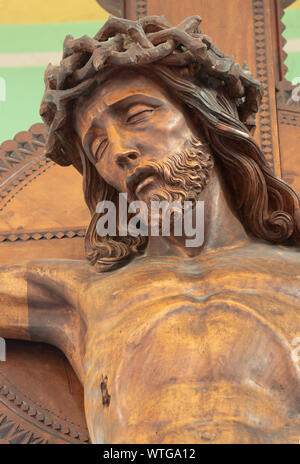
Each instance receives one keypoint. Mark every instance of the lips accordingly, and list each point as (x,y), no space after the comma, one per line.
(144,184)
(141,177)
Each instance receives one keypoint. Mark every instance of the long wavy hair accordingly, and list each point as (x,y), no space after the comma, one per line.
(268,208)
(222,96)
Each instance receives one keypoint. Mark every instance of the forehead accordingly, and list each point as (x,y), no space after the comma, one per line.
(116,86)
(128,82)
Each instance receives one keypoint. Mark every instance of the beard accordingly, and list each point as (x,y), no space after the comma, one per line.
(182,177)
(184,174)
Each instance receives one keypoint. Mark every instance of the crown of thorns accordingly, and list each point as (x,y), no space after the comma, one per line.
(122,42)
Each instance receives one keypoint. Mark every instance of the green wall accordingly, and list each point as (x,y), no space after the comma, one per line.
(291,20)
(34,43)
(25,84)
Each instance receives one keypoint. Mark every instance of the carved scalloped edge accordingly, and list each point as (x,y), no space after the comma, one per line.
(43,235)
(283,41)
(262,74)
(60,427)
(21,161)
(13,433)
(289,118)
(36,403)
(17,185)
(27,162)
(141,8)
(36,128)
(24,147)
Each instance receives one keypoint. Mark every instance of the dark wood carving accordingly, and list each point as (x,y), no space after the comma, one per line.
(289,123)
(257,50)
(27,415)
(171,343)
(15,176)
(22,422)
(141,8)
(21,160)
(42,235)
(29,411)
(261,66)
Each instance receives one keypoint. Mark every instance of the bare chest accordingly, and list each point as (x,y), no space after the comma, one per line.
(167,329)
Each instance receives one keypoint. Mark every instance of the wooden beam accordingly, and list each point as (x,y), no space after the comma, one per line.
(114,7)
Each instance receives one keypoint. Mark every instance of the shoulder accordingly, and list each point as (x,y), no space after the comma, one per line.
(272,255)
(69,268)
(63,271)
(275,269)
(60,274)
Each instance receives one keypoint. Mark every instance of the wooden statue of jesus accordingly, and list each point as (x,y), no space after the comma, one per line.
(173,343)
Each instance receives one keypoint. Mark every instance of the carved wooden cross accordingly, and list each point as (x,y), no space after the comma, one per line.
(33,225)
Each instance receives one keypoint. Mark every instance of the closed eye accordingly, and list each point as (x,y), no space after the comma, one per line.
(138,113)
(98,147)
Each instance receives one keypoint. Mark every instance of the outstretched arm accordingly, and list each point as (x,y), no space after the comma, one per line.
(13,302)
(37,303)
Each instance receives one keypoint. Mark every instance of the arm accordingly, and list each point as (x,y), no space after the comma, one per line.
(37,302)
(13,302)
(34,301)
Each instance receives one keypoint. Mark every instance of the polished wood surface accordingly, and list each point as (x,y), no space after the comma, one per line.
(57,211)
(171,342)
(252,34)
(41,396)
(180,353)
(30,412)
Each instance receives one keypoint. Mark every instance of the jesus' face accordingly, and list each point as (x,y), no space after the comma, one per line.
(128,124)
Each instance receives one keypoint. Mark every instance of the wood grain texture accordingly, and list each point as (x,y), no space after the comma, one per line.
(193,360)
(169,349)
(177,344)
(31,413)
(32,408)
(247,36)
(189,351)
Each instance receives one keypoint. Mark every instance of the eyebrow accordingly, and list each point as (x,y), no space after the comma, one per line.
(135,99)
(123,103)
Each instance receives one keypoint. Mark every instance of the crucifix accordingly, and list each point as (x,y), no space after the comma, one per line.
(160,111)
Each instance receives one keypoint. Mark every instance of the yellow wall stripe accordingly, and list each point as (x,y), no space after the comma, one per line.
(54,11)
(295,5)
(24,60)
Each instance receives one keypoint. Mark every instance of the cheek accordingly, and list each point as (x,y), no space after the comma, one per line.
(177,129)
(105,173)
(170,133)
(109,173)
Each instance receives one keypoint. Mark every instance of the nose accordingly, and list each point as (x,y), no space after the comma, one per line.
(126,158)
(123,150)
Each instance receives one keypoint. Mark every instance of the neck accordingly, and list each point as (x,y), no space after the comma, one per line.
(222,229)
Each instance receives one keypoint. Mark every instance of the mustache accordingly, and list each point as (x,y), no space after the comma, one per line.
(184,174)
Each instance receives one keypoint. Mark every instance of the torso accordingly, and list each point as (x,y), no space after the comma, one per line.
(195,351)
